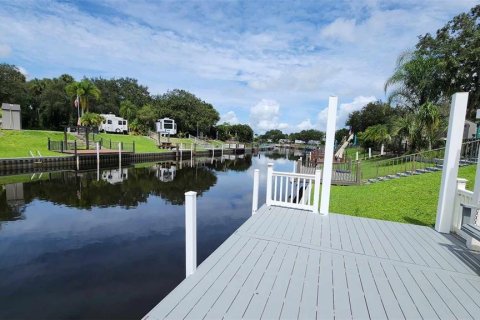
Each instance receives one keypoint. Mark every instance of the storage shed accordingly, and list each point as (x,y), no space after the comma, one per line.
(11,118)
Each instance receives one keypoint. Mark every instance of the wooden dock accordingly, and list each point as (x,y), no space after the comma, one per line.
(294,264)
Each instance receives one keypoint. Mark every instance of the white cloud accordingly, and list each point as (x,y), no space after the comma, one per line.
(5,50)
(265,116)
(343,111)
(340,30)
(23,71)
(305,125)
(229,117)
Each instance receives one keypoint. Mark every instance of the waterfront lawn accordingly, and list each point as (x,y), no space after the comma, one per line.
(410,199)
(142,143)
(18,143)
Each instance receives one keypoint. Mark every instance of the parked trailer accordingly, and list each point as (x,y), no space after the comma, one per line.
(112,123)
(166,126)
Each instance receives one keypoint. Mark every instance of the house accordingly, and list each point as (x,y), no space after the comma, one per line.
(11,117)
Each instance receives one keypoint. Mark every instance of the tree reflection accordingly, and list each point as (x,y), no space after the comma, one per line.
(127,187)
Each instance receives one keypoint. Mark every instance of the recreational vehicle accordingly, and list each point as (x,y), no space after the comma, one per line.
(166,126)
(112,123)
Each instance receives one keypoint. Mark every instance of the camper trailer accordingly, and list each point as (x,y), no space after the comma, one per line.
(166,126)
(112,123)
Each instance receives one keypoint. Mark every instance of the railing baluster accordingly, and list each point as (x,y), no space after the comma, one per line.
(298,190)
(286,189)
(275,189)
(291,191)
(281,188)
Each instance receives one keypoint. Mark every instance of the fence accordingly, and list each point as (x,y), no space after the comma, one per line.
(462,211)
(431,160)
(293,190)
(62,145)
(66,146)
(343,173)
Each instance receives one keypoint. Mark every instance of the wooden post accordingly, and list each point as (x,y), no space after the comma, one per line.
(328,157)
(369,153)
(358,174)
(382,148)
(316,190)
(446,199)
(256,179)
(133,146)
(87,138)
(190,232)
(356,156)
(269,184)
(98,160)
(119,155)
(48,143)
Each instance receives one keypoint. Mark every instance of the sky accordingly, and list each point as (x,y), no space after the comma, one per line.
(271,64)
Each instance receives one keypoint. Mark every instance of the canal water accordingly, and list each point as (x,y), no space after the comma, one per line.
(111,244)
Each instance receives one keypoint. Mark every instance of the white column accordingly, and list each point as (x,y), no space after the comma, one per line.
(97,145)
(382,148)
(356,156)
(256,179)
(316,190)
(294,166)
(328,159)
(446,198)
(369,153)
(190,232)
(269,184)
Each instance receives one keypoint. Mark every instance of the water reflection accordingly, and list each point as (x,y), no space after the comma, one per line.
(75,247)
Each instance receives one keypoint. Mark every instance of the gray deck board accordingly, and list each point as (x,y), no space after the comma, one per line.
(293,264)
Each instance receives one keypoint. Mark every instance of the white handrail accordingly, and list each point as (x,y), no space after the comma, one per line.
(293,190)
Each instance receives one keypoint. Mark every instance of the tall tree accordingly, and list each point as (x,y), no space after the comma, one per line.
(85,90)
(429,118)
(12,85)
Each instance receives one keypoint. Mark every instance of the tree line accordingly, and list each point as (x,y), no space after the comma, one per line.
(50,104)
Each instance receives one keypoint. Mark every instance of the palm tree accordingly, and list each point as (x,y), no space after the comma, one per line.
(91,119)
(377,134)
(407,128)
(429,118)
(84,90)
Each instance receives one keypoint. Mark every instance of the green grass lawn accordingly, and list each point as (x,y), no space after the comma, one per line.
(18,143)
(142,143)
(410,199)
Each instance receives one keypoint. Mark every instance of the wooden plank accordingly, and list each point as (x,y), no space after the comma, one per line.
(431,294)
(308,305)
(471,289)
(214,263)
(252,220)
(262,293)
(449,299)
(293,297)
(364,239)
(403,297)
(402,240)
(464,298)
(308,230)
(316,237)
(392,239)
(421,302)
(346,243)
(335,242)
(233,286)
(340,289)
(248,289)
(273,308)
(262,218)
(352,232)
(280,217)
(325,287)
(326,238)
(296,219)
(358,303)
(375,305)
(284,225)
(206,292)
(377,245)
(299,228)
(385,242)
(389,300)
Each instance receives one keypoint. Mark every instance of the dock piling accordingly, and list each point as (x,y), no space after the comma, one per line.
(256,179)
(190,233)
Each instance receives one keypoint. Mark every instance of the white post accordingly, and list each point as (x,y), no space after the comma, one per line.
(369,153)
(316,190)
(446,199)
(328,158)
(382,149)
(78,163)
(356,156)
(98,161)
(294,166)
(256,179)
(269,184)
(190,232)
(120,157)
(222,150)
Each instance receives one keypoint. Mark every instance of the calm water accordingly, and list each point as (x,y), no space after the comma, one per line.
(74,247)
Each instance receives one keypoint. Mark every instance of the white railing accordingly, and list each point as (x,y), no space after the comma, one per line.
(293,190)
(463,197)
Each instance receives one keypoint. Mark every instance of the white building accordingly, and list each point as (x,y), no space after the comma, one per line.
(11,116)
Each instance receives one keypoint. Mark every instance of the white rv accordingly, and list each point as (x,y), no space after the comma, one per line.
(166,126)
(112,123)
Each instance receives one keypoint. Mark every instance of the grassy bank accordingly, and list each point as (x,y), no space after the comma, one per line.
(17,144)
(411,199)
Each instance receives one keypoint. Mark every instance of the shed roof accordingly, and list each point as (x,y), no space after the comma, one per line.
(9,106)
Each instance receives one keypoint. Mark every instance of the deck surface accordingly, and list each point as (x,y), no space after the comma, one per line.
(292,264)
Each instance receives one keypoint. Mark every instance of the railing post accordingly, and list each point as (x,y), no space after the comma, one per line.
(98,160)
(358,173)
(133,146)
(269,184)
(256,179)
(356,156)
(119,154)
(316,190)
(369,153)
(190,232)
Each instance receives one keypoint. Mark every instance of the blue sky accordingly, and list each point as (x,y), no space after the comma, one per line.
(271,64)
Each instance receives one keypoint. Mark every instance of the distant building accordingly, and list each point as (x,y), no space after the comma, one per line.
(469,130)
(11,117)
(299,142)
